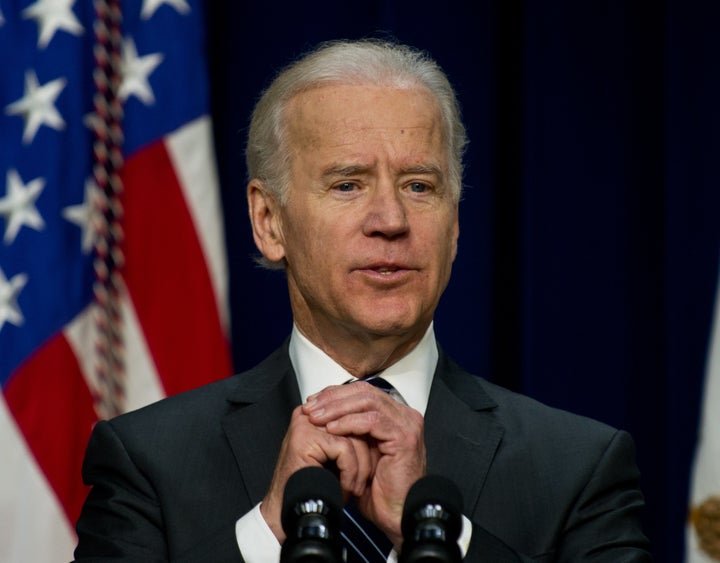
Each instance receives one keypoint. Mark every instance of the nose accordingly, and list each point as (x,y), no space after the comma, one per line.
(386,214)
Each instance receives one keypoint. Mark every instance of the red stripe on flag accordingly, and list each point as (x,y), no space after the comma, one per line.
(167,276)
(54,409)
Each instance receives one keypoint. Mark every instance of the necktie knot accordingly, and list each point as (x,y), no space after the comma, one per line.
(383,384)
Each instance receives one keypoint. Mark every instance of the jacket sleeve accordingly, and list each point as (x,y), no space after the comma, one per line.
(603,523)
(602,520)
(122,517)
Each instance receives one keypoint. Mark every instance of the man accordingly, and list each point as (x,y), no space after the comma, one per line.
(354,154)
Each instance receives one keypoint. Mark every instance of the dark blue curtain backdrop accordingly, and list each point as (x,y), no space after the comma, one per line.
(590,226)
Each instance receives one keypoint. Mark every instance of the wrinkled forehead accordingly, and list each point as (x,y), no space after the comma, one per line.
(340,114)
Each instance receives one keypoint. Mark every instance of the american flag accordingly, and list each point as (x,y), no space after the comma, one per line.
(113,277)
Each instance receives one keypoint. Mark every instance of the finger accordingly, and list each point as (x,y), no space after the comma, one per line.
(307,444)
(290,459)
(355,458)
(365,459)
(399,424)
(340,400)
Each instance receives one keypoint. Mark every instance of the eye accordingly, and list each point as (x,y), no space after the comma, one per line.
(418,187)
(346,187)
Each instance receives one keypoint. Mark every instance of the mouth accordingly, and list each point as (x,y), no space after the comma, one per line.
(386,270)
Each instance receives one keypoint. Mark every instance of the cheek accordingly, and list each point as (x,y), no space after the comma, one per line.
(314,250)
(442,238)
(453,247)
(300,233)
(452,235)
(445,246)
(329,236)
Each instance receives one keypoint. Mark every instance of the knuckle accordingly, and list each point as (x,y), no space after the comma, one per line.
(373,418)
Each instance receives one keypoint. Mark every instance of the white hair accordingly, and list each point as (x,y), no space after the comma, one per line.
(347,62)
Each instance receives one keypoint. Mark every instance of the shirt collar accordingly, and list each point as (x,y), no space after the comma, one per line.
(411,375)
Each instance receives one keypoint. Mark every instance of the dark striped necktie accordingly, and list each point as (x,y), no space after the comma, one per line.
(384,384)
(363,541)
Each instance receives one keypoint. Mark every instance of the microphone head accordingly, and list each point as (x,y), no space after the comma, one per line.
(430,491)
(308,490)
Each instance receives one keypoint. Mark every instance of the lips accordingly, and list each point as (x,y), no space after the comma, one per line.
(387,270)
(385,267)
(391,272)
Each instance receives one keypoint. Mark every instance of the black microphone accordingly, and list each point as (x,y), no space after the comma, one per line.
(432,521)
(311,516)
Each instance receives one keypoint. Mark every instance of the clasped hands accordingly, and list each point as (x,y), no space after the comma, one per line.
(375,443)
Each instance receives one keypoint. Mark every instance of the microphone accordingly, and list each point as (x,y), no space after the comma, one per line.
(312,508)
(432,521)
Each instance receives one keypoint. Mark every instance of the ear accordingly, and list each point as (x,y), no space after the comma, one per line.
(266,221)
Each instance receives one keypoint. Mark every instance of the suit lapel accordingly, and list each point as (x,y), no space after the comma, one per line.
(461,433)
(258,419)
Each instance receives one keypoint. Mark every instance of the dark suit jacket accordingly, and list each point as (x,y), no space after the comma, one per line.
(169,481)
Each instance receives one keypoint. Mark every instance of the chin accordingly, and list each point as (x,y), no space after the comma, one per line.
(389,317)
(391,326)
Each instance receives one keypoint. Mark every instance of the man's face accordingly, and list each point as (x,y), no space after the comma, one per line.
(369,232)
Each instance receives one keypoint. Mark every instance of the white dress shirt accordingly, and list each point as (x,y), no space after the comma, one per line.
(411,376)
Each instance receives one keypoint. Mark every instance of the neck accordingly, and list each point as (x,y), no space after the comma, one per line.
(361,354)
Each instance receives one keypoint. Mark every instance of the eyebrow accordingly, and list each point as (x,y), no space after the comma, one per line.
(423,169)
(347,171)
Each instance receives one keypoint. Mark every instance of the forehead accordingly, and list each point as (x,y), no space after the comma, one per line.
(344,116)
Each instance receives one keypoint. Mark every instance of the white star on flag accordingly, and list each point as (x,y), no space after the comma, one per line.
(37,106)
(52,15)
(83,215)
(149,7)
(135,71)
(18,205)
(9,291)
